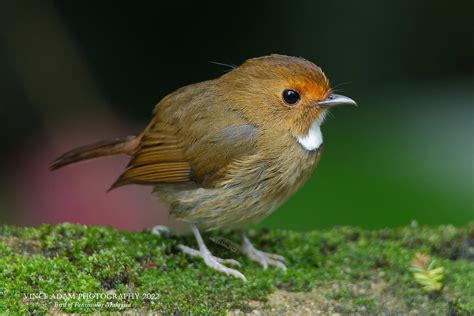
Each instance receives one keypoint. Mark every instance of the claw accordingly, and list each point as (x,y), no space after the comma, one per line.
(210,260)
(196,253)
(263,258)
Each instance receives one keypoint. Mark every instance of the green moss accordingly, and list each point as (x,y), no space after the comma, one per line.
(104,269)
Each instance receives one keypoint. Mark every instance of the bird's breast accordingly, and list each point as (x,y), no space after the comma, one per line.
(254,187)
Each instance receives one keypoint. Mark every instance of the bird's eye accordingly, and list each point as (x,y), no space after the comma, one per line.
(291,97)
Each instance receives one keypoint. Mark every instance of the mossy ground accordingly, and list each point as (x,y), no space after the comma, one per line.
(344,270)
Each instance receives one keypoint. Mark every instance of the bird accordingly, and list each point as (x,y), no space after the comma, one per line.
(227,152)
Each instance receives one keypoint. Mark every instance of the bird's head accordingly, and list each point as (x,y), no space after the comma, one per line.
(280,92)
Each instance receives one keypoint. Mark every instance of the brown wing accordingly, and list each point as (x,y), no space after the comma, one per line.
(191,140)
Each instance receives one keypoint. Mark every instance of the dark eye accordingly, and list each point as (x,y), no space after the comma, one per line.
(291,96)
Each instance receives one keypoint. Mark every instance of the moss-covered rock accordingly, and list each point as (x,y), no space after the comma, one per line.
(83,269)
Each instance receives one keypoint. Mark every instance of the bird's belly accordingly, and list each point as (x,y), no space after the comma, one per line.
(219,207)
(247,197)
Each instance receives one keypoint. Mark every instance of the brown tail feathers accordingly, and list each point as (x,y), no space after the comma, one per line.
(116,146)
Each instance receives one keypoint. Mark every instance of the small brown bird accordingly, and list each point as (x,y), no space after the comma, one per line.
(229,151)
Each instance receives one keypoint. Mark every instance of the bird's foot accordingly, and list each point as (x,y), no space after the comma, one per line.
(264,258)
(214,262)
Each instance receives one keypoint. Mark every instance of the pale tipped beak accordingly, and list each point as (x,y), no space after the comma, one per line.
(336,99)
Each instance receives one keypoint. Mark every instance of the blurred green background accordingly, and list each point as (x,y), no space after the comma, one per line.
(73,72)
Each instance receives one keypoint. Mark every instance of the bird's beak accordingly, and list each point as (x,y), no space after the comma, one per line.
(336,99)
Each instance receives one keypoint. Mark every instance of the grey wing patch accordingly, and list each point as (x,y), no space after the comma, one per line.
(222,147)
(236,134)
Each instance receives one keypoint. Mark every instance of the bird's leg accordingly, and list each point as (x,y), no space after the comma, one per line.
(211,261)
(264,258)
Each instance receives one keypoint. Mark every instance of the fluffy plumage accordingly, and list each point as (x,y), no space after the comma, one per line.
(225,152)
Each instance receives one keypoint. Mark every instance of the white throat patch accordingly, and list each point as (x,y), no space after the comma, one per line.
(314,138)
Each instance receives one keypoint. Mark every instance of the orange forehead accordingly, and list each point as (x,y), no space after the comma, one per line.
(310,89)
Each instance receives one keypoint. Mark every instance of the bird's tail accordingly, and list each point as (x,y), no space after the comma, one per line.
(120,145)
